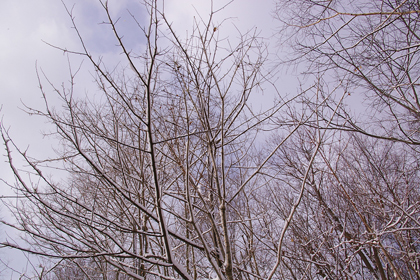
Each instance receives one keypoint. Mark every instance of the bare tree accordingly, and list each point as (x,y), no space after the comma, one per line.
(369,49)
(358,217)
(169,173)
(163,171)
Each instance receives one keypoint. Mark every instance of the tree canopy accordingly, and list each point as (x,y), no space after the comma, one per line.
(173,172)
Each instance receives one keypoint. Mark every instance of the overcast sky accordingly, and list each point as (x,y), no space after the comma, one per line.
(25,26)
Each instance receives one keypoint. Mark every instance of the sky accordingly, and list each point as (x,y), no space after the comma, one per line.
(28,28)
